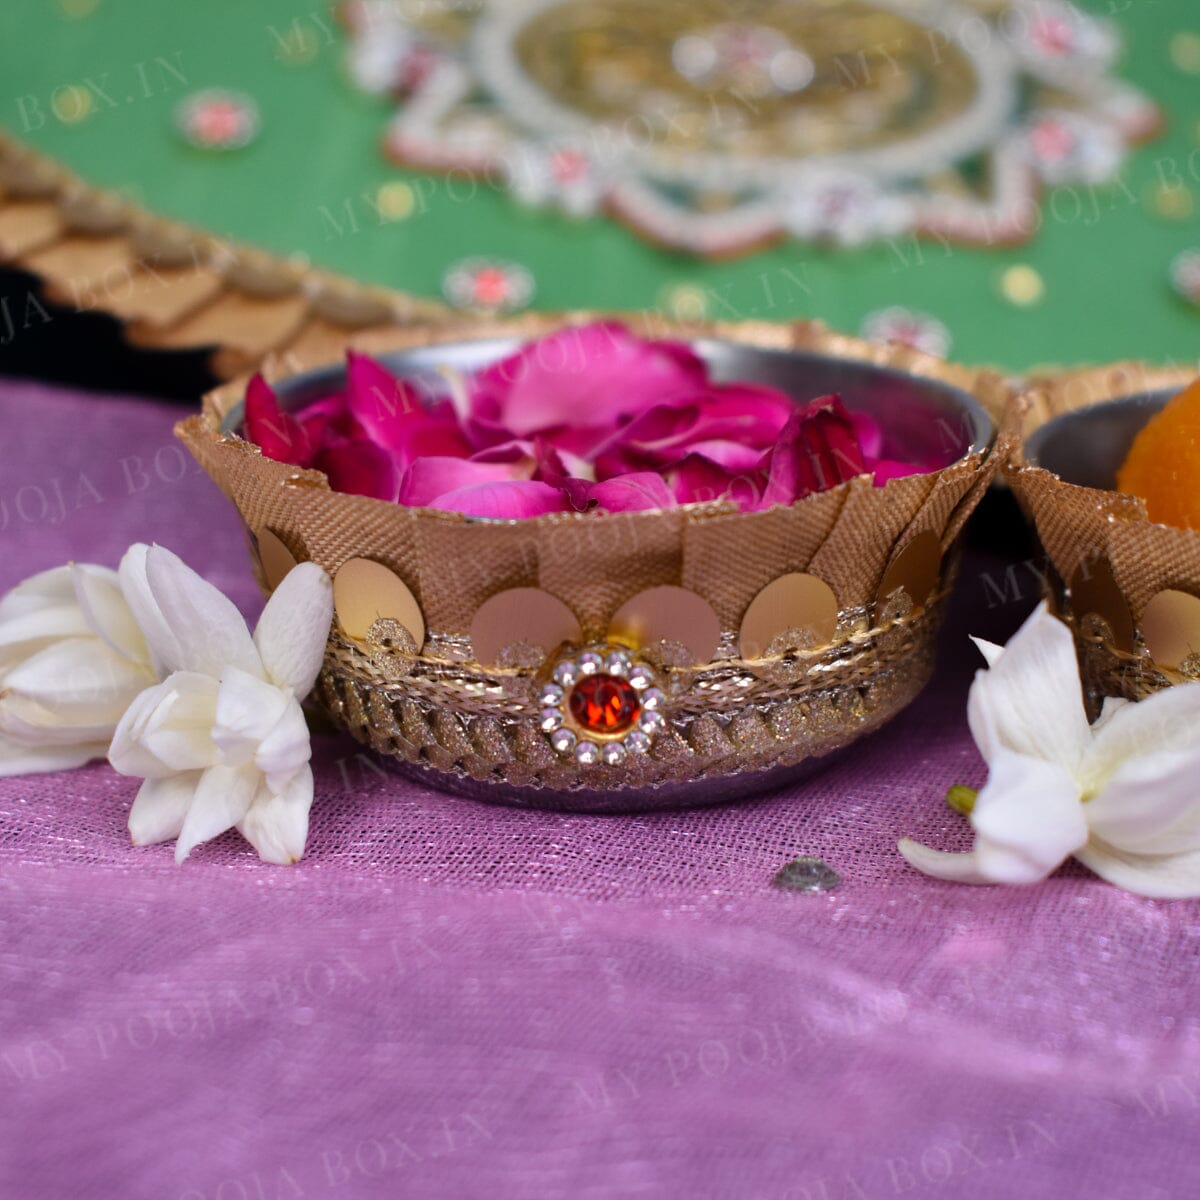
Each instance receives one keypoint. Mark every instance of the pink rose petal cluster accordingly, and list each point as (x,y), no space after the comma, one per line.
(590,417)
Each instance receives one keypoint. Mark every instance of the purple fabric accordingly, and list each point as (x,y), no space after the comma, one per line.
(450,1000)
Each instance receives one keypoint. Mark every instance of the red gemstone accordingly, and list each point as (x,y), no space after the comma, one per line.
(604,704)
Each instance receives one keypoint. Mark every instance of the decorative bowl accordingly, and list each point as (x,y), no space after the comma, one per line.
(702,653)
(1128,587)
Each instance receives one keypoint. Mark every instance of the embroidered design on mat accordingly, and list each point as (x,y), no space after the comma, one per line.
(717,129)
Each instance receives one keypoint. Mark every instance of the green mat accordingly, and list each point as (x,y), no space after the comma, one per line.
(306,185)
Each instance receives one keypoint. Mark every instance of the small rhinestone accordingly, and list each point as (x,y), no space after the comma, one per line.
(563,740)
(617,663)
(613,753)
(652,721)
(807,875)
(587,753)
(590,663)
(641,677)
(551,719)
(637,742)
(551,693)
(565,674)
(652,698)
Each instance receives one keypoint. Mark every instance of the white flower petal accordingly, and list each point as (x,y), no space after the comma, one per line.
(47,589)
(1027,818)
(179,733)
(18,759)
(286,749)
(1031,700)
(160,807)
(990,651)
(29,724)
(248,709)
(941,864)
(1163,876)
(29,632)
(222,797)
(135,587)
(294,628)
(1109,709)
(79,679)
(172,718)
(1166,722)
(127,754)
(103,606)
(209,633)
(276,824)
(1150,805)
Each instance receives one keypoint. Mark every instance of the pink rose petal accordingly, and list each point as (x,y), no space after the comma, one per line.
(360,468)
(277,433)
(506,501)
(585,377)
(816,451)
(870,436)
(633,493)
(698,480)
(392,413)
(887,468)
(436,475)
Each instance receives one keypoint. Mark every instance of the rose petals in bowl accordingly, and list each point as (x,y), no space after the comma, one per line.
(588,417)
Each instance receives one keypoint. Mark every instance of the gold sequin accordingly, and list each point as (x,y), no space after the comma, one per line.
(798,602)
(671,614)
(1172,201)
(685,301)
(1171,627)
(72,104)
(395,201)
(523,616)
(1022,285)
(364,591)
(1185,52)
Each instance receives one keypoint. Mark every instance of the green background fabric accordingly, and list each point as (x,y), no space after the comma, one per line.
(1103,253)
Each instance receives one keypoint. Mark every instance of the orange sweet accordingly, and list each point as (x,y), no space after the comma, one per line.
(1163,464)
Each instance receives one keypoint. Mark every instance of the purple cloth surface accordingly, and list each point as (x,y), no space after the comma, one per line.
(446,999)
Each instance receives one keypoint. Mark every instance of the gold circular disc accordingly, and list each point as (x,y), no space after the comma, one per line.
(916,569)
(1171,627)
(795,601)
(1094,589)
(275,558)
(668,614)
(523,614)
(365,591)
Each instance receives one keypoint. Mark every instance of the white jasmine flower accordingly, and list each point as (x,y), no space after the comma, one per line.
(222,741)
(1121,795)
(72,659)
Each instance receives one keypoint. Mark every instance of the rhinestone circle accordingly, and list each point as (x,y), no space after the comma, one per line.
(563,740)
(601,706)
(641,676)
(617,663)
(613,753)
(637,742)
(652,721)
(565,674)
